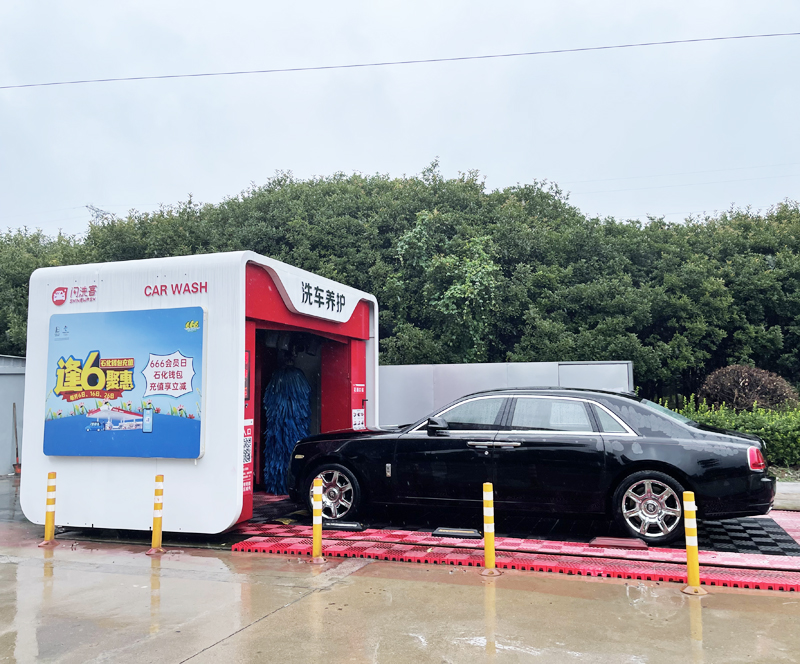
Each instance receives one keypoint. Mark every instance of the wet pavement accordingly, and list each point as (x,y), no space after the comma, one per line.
(92,602)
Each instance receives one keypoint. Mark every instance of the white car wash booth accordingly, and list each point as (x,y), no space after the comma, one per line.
(157,367)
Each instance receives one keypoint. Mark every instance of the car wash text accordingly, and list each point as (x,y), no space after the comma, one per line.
(176,289)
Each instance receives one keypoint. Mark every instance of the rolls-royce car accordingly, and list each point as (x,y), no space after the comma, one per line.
(545,450)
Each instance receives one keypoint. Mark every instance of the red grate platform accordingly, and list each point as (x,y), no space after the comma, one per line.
(341,547)
(790,521)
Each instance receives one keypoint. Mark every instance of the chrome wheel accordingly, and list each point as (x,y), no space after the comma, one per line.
(338,494)
(651,508)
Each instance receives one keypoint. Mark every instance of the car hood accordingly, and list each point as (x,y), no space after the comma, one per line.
(347,434)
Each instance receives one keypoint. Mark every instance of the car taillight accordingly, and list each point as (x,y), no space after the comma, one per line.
(755,459)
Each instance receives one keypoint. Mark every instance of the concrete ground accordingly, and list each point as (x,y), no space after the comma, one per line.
(788,496)
(89,602)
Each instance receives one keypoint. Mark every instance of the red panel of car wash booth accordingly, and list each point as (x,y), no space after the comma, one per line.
(342,372)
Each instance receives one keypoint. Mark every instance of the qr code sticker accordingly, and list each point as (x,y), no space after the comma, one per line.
(359,418)
(248,448)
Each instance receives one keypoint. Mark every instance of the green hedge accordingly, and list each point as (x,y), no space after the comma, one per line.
(780,429)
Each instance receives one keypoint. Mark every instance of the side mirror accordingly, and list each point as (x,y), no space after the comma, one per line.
(436,424)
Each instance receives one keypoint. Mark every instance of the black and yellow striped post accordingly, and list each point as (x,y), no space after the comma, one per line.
(316,523)
(50,514)
(692,561)
(489,568)
(158,504)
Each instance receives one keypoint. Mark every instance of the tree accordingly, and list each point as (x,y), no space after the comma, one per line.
(463,274)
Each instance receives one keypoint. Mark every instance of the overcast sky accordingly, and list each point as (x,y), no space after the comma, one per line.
(664,130)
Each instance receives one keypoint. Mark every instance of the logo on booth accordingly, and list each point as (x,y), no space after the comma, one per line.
(60,296)
(76,294)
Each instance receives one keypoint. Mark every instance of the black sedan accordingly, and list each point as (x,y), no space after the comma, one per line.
(546,450)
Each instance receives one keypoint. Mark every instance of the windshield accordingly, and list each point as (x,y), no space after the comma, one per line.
(669,413)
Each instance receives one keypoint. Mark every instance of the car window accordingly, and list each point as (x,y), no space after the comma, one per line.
(666,411)
(646,421)
(545,414)
(477,414)
(607,423)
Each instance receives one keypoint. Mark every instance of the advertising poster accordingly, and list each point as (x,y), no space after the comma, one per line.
(125,384)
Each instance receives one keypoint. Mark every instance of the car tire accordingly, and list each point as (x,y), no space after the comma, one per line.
(648,505)
(341,492)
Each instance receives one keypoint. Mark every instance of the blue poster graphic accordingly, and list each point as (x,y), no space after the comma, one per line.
(125,384)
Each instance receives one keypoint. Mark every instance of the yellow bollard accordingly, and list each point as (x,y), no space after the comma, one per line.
(488,531)
(316,545)
(692,562)
(155,547)
(50,515)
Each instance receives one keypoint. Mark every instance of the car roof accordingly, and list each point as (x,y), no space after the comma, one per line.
(512,391)
(585,391)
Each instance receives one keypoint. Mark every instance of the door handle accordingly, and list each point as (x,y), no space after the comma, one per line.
(480,445)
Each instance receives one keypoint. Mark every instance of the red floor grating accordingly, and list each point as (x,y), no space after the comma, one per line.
(790,521)
(758,579)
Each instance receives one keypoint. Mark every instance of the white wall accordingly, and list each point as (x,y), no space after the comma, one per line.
(12,390)
(410,392)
